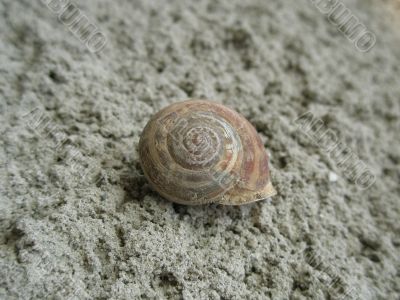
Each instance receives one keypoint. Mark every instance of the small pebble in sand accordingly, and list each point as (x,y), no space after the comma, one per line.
(333,177)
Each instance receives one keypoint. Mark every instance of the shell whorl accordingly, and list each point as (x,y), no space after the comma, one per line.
(197,151)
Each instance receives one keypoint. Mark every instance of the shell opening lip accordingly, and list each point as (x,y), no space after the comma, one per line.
(250,196)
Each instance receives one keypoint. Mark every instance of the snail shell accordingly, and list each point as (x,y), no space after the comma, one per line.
(197,151)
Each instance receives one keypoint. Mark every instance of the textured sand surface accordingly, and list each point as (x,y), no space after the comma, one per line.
(107,235)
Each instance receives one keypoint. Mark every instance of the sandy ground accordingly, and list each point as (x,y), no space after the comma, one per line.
(78,219)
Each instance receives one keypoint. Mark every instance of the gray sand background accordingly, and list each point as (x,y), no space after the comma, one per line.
(107,235)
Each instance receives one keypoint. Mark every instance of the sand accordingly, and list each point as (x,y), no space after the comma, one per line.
(79,220)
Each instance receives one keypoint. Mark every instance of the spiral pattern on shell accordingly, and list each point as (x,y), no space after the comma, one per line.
(197,152)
